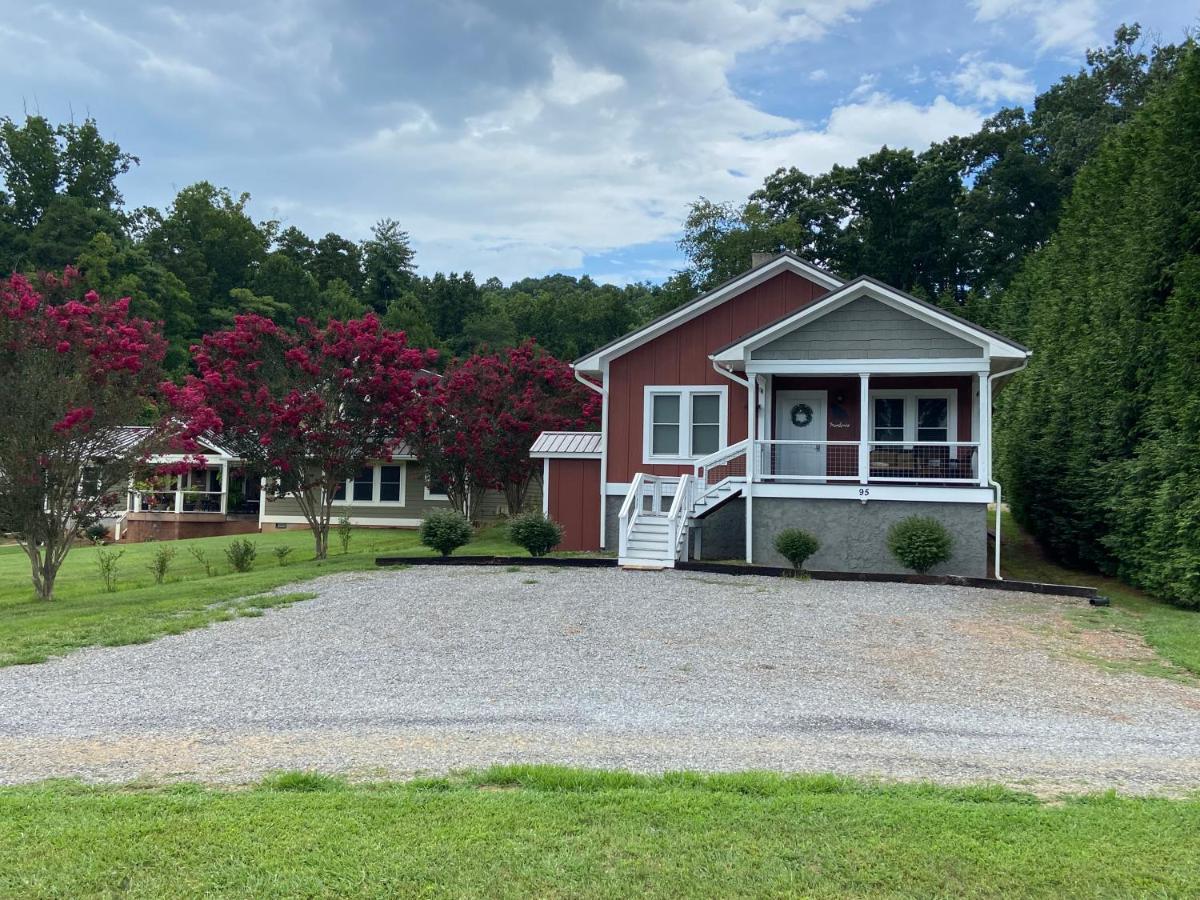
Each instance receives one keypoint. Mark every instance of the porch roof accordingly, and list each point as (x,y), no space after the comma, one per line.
(993,345)
(567,445)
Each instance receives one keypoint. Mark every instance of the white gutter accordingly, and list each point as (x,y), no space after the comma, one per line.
(991,456)
(603,392)
(728,373)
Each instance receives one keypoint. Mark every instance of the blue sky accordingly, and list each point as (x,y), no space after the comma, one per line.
(520,137)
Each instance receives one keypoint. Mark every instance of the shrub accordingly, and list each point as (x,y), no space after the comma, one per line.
(445,530)
(201,556)
(161,563)
(240,554)
(796,545)
(536,533)
(97,532)
(281,554)
(920,543)
(106,562)
(345,531)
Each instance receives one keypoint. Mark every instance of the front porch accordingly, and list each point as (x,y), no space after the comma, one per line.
(214,499)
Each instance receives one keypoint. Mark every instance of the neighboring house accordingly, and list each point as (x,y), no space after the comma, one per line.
(222,498)
(867,406)
(391,493)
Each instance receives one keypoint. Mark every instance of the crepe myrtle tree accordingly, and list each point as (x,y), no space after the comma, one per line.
(72,373)
(307,409)
(484,415)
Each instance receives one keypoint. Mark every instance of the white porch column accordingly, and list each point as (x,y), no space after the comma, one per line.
(751,452)
(864,424)
(224,487)
(985,429)
(179,494)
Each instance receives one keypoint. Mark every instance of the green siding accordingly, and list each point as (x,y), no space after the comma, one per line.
(867,329)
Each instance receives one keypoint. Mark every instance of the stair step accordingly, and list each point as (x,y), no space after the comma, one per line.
(646,556)
(648,546)
(643,525)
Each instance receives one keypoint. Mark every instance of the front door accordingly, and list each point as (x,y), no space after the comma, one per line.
(799,416)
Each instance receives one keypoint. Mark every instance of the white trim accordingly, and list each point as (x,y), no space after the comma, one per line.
(566,455)
(545,488)
(388,522)
(871,366)
(427,494)
(910,396)
(595,361)
(686,392)
(991,345)
(965,494)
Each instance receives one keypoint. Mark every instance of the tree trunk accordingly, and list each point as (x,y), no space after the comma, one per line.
(44,570)
(321,539)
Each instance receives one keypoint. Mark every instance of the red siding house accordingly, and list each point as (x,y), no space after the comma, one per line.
(786,397)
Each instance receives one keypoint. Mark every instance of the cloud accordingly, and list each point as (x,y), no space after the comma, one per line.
(992,82)
(1058,24)
(508,138)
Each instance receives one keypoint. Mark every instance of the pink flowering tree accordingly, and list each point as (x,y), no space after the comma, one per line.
(308,410)
(73,372)
(485,414)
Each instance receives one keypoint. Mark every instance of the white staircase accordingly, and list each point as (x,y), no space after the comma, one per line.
(654,537)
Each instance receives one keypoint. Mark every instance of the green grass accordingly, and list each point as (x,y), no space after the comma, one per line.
(1173,632)
(556,832)
(84,614)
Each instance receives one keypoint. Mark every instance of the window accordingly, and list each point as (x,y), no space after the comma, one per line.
(889,419)
(378,485)
(933,419)
(364,485)
(435,489)
(914,416)
(684,423)
(391,483)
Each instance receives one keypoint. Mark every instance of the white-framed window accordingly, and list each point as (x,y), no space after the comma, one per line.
(684,423)
(381,484)
(914,416)
(434,489)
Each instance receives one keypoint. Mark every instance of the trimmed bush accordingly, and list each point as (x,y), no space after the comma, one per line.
(920,543)
(796,545)
(445,530)
(536,533)
(97,532)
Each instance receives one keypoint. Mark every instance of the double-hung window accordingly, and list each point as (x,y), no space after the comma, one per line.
(684,423)
(913,416)
(381,484)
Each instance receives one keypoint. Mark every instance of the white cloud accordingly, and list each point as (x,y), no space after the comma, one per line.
(992,82)
(1057,24)
(818,75)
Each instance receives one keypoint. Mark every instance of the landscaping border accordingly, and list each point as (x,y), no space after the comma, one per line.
(602,562)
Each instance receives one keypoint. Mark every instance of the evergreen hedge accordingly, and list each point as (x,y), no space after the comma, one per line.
(1099,440)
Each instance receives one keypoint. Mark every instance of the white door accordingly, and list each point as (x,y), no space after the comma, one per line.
(799,416)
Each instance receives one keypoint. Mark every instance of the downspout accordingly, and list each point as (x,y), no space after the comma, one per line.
(603,392)
(991,456)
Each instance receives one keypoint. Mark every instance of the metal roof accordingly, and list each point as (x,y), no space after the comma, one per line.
(582,444)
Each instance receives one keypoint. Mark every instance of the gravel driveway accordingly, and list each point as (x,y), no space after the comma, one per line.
(431,669)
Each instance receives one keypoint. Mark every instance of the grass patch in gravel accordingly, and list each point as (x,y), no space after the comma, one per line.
(547,831)
(83,614)
(1174,633)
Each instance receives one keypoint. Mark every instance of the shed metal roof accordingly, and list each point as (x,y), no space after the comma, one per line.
(582,444)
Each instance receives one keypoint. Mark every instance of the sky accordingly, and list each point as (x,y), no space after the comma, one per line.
(518,138)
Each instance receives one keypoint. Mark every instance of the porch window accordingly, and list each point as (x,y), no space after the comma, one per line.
(889,419)
(933,419)
(381,484)
(684,423)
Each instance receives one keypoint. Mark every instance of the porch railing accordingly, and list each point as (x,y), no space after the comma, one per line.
(824,462)
(175,501)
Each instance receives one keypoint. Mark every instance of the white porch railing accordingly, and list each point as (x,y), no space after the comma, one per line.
(927,462)
(711,470)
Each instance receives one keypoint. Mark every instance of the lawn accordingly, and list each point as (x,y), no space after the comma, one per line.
(1173,632)
(84,614)
(558,832)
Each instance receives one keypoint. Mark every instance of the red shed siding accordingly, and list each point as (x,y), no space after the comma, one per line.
(681,357)
(574,501)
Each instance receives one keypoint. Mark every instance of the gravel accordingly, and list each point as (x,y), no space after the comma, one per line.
(427,670)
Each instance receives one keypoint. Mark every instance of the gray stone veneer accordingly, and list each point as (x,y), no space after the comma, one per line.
(853,535)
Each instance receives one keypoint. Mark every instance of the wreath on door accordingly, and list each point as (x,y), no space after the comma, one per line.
(802,415)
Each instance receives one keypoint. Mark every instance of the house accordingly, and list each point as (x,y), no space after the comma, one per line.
(223,497)
(786,397)
(392,493)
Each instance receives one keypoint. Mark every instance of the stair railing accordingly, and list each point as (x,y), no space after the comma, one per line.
(630,510)
(681,509)
(711,470)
